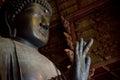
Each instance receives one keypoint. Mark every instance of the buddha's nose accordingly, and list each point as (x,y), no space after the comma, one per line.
(45,20)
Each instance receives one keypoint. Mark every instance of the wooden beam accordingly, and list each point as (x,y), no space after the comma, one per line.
(111,72)
(104,63)
(83,12)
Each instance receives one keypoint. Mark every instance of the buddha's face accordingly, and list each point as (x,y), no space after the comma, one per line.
(34,21)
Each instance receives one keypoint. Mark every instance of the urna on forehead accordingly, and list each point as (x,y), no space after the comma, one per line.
(18,5)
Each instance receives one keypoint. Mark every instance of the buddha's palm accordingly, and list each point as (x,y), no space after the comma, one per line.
(81,64)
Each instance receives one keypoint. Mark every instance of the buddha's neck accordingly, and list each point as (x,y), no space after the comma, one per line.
(24,41)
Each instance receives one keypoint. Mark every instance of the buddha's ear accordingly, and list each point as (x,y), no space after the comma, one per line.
(10,24)
(13,32)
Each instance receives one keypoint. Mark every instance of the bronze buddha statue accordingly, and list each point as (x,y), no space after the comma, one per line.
(24,27)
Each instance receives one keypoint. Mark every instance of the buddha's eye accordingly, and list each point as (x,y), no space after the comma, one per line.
(46,11)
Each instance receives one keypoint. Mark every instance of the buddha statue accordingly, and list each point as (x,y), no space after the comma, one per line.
(24,27)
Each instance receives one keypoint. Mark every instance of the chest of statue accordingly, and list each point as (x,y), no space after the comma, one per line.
(24,62)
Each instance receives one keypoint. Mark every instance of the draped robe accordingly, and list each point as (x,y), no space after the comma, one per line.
(21,62)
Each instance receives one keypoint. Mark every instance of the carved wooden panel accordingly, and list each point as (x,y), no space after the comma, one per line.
(102,25)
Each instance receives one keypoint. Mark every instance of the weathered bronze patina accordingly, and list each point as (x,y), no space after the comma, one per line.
(25,27)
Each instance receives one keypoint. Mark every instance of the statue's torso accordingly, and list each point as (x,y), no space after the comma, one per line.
(27,61)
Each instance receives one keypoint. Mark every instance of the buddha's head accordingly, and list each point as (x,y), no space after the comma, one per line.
(29,20)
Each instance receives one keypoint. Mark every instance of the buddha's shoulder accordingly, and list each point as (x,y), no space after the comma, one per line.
(9,46)
(6,45)
(5,41)
(9,43)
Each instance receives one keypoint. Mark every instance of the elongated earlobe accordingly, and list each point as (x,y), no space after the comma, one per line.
(14,32)
(11,28)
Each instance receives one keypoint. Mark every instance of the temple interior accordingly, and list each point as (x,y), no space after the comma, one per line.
(75,19)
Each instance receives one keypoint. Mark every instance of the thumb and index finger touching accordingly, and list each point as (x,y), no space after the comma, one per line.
(82,47)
